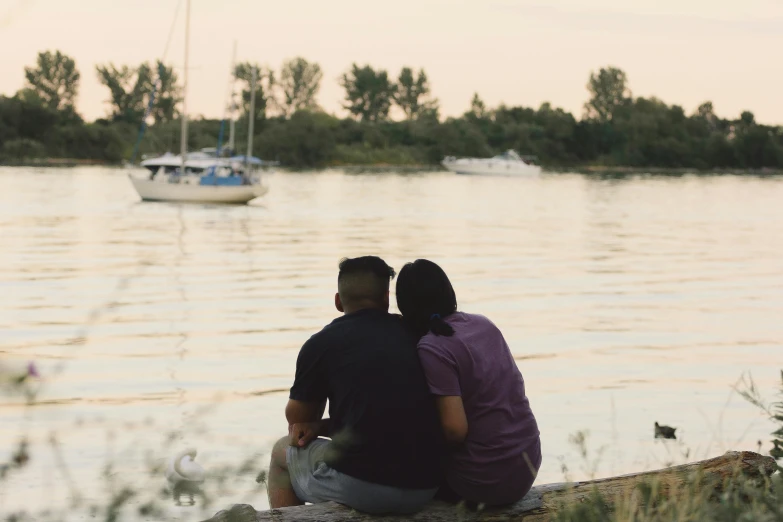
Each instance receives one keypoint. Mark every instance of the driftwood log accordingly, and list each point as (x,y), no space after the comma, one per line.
(537,506)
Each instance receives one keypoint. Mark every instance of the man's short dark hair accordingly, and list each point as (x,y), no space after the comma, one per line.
(364,278)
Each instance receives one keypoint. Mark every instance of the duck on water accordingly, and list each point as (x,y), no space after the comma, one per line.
(664,432)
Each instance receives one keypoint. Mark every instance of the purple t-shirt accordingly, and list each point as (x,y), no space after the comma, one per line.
(494,464)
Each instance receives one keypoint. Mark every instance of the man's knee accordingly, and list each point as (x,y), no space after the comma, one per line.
(279,486)
(279,453)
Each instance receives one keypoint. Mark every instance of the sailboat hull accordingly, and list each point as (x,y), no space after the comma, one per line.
(191,193)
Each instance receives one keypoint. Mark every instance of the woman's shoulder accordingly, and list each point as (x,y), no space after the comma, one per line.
(470,319)
(434,342)
(465,325)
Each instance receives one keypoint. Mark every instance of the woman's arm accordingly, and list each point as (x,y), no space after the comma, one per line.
(442,373)
(452,418)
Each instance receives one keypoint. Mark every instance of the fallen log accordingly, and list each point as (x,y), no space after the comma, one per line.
(537,506)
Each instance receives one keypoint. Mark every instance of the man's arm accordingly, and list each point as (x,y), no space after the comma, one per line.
(309,393)
(301,411)
(305,423)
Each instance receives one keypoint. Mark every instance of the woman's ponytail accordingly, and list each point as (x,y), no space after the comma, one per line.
(440,327)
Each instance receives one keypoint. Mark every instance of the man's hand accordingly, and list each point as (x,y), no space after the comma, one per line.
(302,433)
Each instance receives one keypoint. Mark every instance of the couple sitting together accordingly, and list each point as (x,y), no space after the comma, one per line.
(425,405)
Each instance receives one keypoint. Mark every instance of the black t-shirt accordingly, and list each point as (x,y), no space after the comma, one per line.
(385,427)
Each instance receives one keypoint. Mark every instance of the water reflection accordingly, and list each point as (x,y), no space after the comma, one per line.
(186,494)
(625,301)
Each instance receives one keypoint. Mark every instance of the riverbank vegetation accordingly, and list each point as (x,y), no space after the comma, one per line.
(392,120)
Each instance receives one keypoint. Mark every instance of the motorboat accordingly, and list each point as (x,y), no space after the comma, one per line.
(508,163)
(205,176)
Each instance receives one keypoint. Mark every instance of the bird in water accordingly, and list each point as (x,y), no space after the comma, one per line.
(185,477)
(664,432)
(183,468)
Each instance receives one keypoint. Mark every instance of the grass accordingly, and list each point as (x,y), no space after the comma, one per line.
(736,498)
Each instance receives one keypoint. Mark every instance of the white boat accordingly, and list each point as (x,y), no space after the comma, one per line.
(207,179)
(205,176)
(507,164)
(194,192)
(202,160)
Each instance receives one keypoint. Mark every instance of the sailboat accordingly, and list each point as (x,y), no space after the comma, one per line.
(199,177)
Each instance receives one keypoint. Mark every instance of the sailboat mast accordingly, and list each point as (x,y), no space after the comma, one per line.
(251,119)
(232,102)
(184,130)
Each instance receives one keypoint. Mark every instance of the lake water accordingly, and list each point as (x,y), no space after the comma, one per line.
(159,326)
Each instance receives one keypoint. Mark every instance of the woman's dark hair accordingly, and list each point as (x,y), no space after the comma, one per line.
(425,297)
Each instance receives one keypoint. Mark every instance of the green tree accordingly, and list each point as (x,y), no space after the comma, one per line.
(706,111)
(368,93)
(478,109)
(300,81)
(32,97)
(706,115)
(747,118)
(755,146)
(265,83)
(412,94)
(129,90)
(651,133)
(168,94)
(20,119)
(718,151)
(22,149)
(307,139)
(608,92)
(54,80)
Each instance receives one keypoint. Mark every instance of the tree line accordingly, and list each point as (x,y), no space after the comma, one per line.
(616,128)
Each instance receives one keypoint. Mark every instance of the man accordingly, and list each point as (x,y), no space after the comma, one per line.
(384,456)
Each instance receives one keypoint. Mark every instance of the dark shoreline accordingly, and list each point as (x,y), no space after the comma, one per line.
(596,170)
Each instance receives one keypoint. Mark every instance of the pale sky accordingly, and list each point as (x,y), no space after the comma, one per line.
(517,52)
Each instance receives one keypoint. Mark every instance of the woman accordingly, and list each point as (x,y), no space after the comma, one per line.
(486,417)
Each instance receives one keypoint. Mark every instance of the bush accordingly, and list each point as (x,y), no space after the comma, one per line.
(306,140)
(22,149)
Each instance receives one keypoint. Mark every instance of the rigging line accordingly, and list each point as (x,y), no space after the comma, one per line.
(171,31)
(156,86)
(229,100)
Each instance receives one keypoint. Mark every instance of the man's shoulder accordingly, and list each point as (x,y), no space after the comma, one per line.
(321,339)
(325,333)
(366,319)
(388,325)
(357,327)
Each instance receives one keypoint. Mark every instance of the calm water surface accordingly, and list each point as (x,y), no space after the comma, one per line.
(159,326)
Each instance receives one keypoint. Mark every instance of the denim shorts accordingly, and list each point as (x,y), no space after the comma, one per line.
(314,481)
